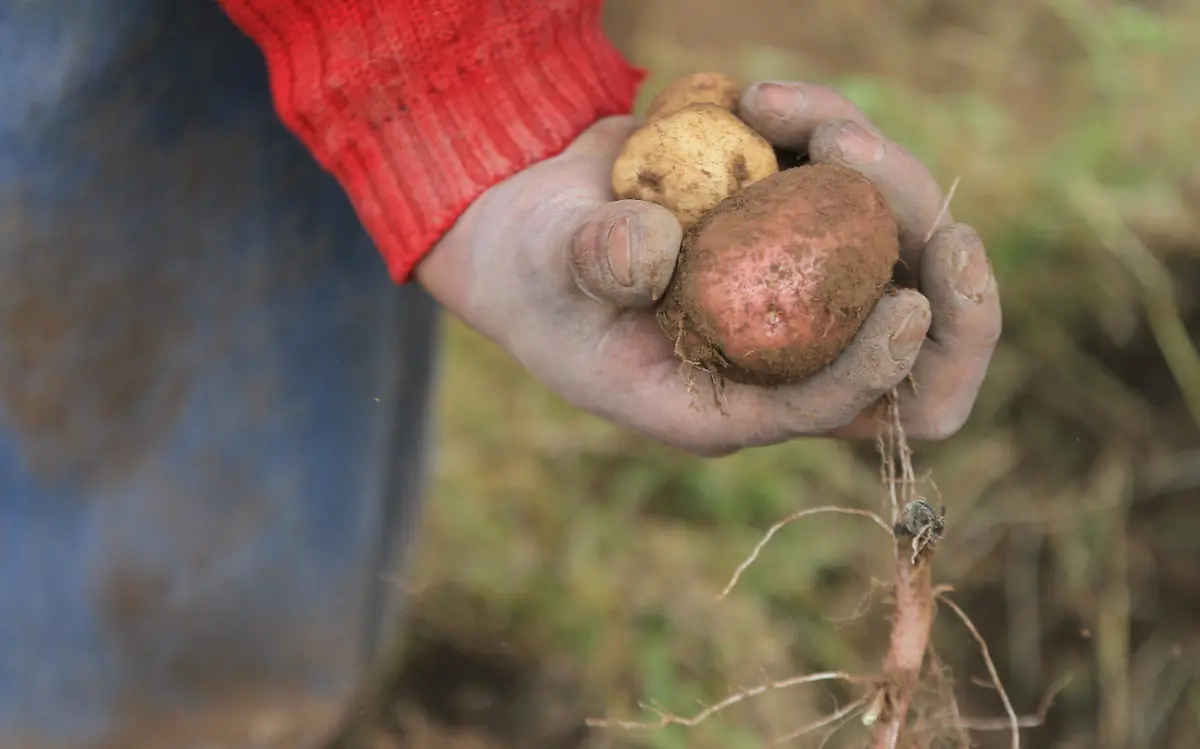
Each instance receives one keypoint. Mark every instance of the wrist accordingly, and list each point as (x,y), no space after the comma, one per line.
(444,269)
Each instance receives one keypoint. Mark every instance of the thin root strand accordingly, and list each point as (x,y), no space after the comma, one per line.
(843,714)
(874,517)
(667,718)
(1014,724)
(1023,721)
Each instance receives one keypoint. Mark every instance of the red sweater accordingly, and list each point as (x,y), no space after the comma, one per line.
(418,106)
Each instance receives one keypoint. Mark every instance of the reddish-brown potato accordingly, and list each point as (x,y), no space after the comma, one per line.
(773,283)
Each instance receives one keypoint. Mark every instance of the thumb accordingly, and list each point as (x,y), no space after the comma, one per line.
(624,253)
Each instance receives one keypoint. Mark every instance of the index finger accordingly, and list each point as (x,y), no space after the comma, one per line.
(830,128)
(787,113)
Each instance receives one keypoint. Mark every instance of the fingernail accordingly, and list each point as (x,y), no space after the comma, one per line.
(972,274)
(857,145)
(777,96)
(908,338)
(621,238)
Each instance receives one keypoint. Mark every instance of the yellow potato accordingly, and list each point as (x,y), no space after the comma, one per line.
(690,160)
(697,88)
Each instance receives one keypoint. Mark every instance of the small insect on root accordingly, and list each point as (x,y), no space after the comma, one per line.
(923,525)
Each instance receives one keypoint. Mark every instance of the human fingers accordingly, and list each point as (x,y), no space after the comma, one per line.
(916,200)
(831,128)
(787,112)
(621,253)
(686,407)
(967,321)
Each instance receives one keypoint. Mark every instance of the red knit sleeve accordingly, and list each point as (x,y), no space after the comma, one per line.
(418,106)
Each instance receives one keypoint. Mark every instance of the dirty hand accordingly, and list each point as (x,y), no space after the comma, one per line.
(564,278)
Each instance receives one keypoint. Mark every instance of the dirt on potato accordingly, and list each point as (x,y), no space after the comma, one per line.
(773,283)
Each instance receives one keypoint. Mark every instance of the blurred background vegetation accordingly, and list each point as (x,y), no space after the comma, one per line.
(567,569)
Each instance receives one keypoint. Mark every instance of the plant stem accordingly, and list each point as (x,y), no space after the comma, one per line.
(912,621)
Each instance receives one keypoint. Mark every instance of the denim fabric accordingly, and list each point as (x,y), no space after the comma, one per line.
(213,401)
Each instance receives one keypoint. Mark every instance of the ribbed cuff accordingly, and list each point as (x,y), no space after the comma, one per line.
(418,107)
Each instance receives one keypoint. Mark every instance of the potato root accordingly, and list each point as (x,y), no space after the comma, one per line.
(773,283)
(690,160)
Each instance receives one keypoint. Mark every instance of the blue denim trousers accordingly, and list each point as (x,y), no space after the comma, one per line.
(213,401)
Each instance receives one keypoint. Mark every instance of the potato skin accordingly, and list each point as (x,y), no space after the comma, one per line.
(772,284)
(697,88)
(690,160)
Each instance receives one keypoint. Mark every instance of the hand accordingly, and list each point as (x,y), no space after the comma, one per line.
(564,278)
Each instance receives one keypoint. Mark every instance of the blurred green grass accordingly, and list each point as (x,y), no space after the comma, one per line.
(593,556)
